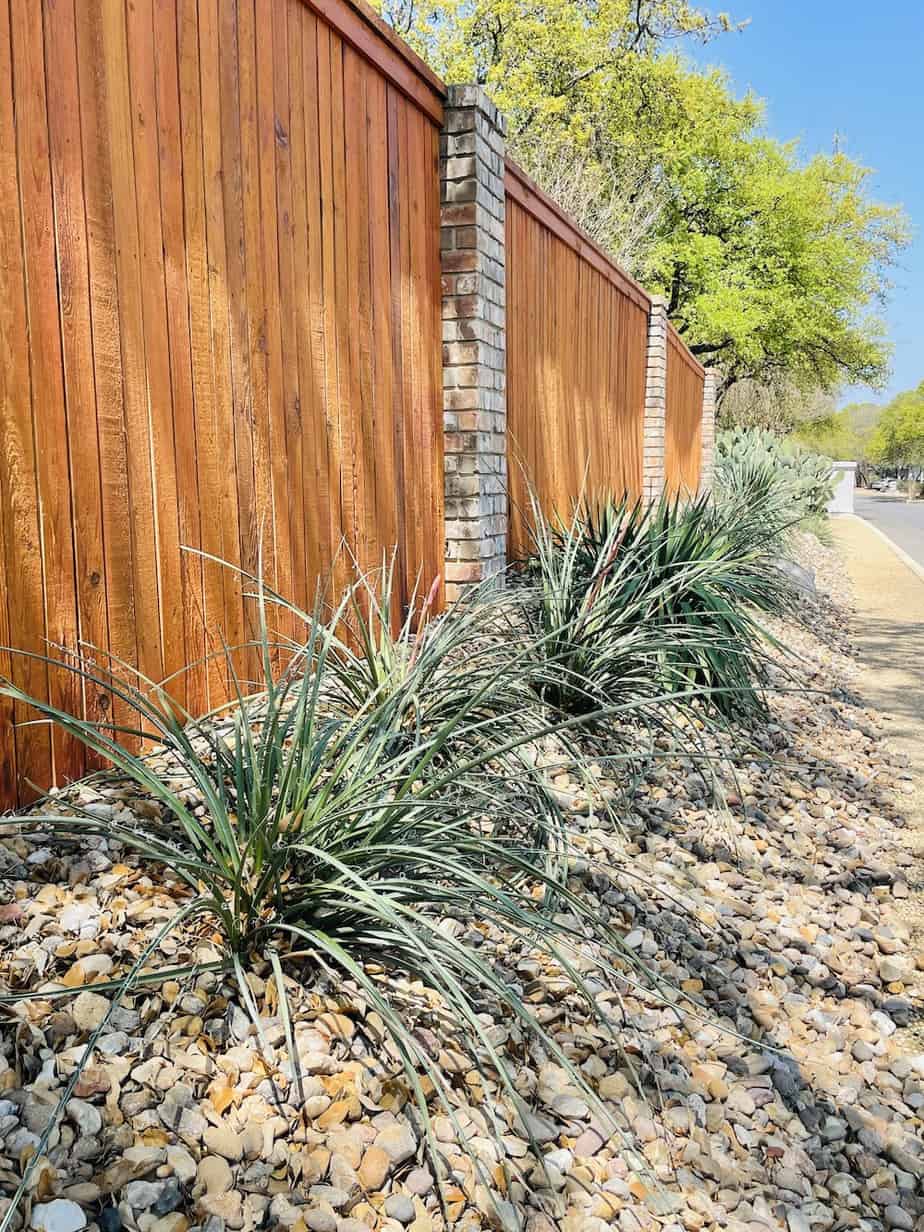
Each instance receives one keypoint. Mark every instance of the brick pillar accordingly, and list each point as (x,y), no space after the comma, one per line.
(474,357)
(710,394)
(655,401)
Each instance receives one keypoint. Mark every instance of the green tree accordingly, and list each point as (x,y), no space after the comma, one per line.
(899,436)
(774,266)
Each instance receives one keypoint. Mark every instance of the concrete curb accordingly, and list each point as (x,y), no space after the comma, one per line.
(902,555)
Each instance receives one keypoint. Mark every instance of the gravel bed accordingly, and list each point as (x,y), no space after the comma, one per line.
(783,1090)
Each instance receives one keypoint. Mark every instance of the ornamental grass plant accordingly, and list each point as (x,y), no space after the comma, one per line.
(332,841)
(660,602)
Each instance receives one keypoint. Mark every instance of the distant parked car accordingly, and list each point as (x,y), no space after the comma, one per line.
(885,485)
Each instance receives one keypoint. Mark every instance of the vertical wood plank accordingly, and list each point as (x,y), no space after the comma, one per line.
(192,687)
(230,630)
(23,597)
(93,82)
(77,341)
(404,580)
(242,397)
(255,297)
(282,388)
(322,492)
(158,388)
(49,416)
(209,465)
(387,494)
(282,124)
(338,292)
(329,85)
(431,342)
(137,412)
(358,308)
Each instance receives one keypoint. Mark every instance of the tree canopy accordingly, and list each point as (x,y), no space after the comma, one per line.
(898,439)
(846,434)
(774,265)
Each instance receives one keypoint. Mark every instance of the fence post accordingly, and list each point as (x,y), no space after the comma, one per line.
(655,422)
(474,335)
(710,396)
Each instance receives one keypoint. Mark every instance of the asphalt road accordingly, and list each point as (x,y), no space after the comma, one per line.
(895,517)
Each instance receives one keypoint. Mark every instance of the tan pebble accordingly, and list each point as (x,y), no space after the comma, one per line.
(181,1163)
(89,1010)
(374,1168)
(85,1192)
(226,1206)
(174,1222)
(336,1114)
(213,1176)
(336,1026)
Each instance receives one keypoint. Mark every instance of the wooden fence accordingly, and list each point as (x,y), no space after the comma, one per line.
(684,418)
(577,335)
(219,325)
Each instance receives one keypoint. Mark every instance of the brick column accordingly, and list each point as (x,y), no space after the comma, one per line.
(655,401)
(710,394)
(474,357)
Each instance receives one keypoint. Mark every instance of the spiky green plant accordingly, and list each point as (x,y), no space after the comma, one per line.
(806,477)
(431,667)
(318,838)
(662,599)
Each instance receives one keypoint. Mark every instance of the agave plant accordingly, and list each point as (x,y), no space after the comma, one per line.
(319,839)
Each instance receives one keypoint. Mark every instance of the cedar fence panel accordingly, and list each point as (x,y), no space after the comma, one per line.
(577,336)
(684,419)
(219,326)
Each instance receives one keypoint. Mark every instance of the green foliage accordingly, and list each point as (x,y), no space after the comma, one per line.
(662,601)
(593,610)
(773,265)
(337,818)
(544,61)
(430,669)
(845,435)
(898,439)
(808,479)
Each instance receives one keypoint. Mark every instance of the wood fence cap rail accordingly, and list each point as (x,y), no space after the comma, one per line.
(674,336)
(363,28)
(527,193)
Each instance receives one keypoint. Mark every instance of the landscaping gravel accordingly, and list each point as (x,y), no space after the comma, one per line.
(783,1090)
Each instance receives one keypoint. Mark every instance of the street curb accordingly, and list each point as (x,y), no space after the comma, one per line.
(902,555)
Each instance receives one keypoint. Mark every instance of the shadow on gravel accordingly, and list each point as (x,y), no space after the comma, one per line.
(840,1143)
(768,972)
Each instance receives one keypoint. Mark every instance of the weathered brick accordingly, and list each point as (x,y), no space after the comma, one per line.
(463,352)
(460,399)
(462,260)
(456,191)
(654,420)
(460,214)
(710,395)
(464,168)
(468,237)
(474,325)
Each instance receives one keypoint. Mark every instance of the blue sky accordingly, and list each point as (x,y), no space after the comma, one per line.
(855,69)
